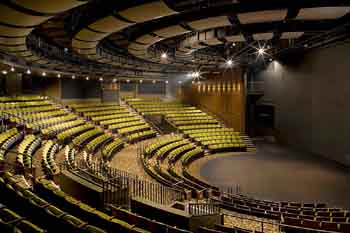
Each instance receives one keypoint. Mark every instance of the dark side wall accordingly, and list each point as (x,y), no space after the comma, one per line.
(311,99)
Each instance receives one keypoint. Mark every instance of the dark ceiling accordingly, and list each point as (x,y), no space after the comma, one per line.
(129,38)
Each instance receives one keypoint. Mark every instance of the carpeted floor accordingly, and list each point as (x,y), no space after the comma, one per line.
(279,173)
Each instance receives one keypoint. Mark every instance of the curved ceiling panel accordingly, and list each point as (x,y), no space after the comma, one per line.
(320,13)
(12,41)
(16,18)
(110,24)
(171,31)
(149,11)
(235,38)
(7,31)
(17,22)
(212,22)
(291,35)
(47,6)
(262,16)
(263,36)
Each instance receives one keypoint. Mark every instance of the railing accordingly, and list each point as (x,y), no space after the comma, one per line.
(262,225)
(120,186)
(201,209)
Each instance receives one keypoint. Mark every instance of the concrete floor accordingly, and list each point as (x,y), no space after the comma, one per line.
(279,173)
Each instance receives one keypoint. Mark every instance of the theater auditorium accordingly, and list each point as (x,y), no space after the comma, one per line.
(174,116)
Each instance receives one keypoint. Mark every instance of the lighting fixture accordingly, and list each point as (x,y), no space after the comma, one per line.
(43,73)
(229,62)
(180,82)
(154,81)
(261,51)
(73,76)
(58,75)
(164,55)
(12,69)
(87,78)
(233,44)
(141,80)
(101,79)
(28,71)
(114,80)
(166,81)
(4,72)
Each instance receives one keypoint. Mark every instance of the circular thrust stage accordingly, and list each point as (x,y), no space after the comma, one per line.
(278,173)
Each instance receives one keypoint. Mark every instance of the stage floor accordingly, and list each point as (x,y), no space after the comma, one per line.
(279,173)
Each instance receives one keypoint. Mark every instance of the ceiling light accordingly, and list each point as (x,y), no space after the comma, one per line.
(192,82)
(43,73)
(164,55)
(87,78)
(233,44)
(261,51)
(114,80)
(229,62)
(306,45)
(12,68)
(166,81)
(180,82)
(58,75)
(154,81)
(101,79)
(128,81)
(4,72)
(73,76)
(28,71)
(141,80)
(270,59)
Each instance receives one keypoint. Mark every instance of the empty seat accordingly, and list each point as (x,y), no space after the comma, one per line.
(330,226)
(311,224)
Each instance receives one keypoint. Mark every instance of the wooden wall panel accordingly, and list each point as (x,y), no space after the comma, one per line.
(222,95)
